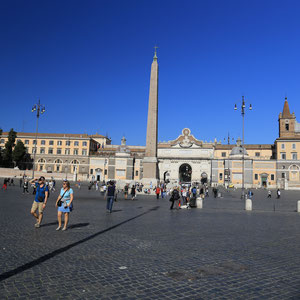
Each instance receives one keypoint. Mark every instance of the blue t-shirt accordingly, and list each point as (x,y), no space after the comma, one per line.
(67,195)
(40,192)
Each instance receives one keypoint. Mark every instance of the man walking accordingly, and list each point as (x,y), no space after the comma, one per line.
(40,200)
(110,196)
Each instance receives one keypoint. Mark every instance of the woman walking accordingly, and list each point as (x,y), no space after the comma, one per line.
(66,197)
(174,198)
(132,192)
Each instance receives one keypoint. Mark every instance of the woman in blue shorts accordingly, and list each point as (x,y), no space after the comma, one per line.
(66,196)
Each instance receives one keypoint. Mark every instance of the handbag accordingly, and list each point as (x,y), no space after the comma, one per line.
(59,202)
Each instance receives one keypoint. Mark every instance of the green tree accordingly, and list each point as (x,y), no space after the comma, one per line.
(18,153)
(7,152)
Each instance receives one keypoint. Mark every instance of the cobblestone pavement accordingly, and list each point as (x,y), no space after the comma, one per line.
(143,250)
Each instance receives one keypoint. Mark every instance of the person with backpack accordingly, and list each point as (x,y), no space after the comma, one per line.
(110,195)
(175,196)
(40,200)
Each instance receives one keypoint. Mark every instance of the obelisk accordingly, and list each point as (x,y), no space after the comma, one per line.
(150,172)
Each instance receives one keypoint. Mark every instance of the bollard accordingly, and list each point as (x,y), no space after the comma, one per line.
(199,202)
(248,204)
(298,206)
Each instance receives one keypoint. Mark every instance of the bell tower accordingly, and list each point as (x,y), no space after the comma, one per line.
(286,122)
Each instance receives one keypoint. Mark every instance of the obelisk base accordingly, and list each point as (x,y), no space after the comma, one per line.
(150,178)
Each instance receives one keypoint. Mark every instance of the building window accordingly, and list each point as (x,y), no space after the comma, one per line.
(294,156)
(136,173)
(50,151)
(84,144)
(287,127)
(257,154)
(282,146)
(221,176)
(43,142)
(67,151)
(255,176)
(293,146)
(75,152)
(58,151)
(68,143)
(272,176)
(105,172)
(51,143)
(42,151)
(76,143)
(2,141)
(223,154)
(59,143)
(91,171)
(33,150)
(282,175)
(26,142)
(84,152)
(283,155)
(34,142)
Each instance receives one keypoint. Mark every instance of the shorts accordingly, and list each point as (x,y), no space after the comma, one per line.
(37,205)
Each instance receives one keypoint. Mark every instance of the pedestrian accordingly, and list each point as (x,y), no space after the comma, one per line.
(110,195)
(25,186)
(40,200)
(269,194)
(202,192)
(66,196)
(215,192)
(278,193)
(175,198)
(20,181)
(162,191)
(157,191)
(184,195)
(249,194)
(132,192)
(126,191)
(4,186)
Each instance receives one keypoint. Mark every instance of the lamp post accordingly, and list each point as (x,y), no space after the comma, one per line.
(243,149)
(40,109)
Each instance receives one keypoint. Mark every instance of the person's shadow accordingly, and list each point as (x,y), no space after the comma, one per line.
(78,225)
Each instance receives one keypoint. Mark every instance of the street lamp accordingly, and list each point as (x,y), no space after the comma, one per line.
(243,149)
(40,109)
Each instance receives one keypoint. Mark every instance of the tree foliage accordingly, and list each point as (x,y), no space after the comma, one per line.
(18,153)
(7,152)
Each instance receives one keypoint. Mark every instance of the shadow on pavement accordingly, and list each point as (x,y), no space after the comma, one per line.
(56,252)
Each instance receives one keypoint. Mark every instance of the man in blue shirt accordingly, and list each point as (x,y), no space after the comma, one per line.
(40,201)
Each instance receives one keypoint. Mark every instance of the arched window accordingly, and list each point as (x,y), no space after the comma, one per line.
(75,165)
(58,165)
(41,164)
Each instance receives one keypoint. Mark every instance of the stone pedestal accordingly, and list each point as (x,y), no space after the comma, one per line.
(298,206)
(199,202)
(248,205)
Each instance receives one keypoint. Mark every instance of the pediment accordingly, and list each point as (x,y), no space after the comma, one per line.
(186,140)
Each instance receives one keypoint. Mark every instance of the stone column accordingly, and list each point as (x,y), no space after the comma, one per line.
(150,169)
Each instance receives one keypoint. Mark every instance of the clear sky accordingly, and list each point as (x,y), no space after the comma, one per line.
(89,62)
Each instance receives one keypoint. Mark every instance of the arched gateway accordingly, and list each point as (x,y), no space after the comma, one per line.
(185,173)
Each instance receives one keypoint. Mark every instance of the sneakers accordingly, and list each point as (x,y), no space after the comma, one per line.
(58,228)
(37,225)
(65,228)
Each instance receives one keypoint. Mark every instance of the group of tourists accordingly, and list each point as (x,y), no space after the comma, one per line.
(64,202)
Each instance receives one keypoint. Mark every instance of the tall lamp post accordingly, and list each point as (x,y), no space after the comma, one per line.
(243,149)
(40,109)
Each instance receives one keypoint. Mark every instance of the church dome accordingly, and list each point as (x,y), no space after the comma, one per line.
(238,150)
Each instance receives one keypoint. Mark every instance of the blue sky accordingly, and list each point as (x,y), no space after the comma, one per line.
(89,62)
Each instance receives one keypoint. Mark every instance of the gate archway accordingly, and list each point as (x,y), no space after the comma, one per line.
(185,173)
